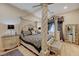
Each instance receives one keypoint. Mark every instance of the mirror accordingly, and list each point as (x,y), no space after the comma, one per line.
(71,33)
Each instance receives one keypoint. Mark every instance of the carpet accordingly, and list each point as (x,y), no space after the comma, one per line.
(13,53)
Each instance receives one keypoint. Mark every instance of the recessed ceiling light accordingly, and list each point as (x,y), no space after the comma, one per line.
(65,7)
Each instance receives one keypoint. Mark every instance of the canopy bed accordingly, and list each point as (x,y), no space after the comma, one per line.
(44,41)
(35,38)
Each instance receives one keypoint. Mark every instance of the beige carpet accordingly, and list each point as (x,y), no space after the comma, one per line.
(25,51)
(22,50)
(66,50)
(69,49)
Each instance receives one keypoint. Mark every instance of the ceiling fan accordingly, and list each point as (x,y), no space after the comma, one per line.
(41,4)
(39,8)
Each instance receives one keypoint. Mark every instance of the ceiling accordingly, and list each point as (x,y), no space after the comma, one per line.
(56,8)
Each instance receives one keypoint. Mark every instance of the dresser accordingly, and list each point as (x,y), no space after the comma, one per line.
(9,42)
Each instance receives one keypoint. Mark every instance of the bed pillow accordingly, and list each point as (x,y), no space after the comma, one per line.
(25,33)
(33,32)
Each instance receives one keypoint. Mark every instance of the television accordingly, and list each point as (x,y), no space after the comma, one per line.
(10,26)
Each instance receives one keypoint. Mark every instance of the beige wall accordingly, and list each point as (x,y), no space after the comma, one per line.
(71,17)
(9,11)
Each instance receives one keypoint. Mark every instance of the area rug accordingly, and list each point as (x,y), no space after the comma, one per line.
(13,53)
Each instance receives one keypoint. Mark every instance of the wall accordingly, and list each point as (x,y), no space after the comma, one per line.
(10,15)
(71,17)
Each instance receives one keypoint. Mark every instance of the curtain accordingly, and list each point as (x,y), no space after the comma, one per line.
(60,25)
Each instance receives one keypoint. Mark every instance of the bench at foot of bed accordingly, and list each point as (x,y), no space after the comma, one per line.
(56,48)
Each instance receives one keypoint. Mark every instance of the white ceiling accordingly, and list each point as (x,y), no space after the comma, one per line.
(56,8)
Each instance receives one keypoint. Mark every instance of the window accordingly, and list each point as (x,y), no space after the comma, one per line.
(52,28)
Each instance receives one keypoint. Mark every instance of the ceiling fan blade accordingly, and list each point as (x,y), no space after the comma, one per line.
(41,5)
(50,3)
(36,5)
(36,10)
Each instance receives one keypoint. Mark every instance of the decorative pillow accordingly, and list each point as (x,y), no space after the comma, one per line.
(33,32)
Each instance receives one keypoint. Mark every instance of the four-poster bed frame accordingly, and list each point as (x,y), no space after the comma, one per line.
(46,46)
